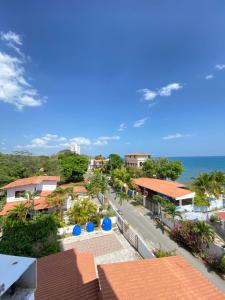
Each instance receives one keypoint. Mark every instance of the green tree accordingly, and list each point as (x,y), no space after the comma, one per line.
(162,168)
(205,232)
(34,238)
(209,184)
(82,212)
(97,183)
(19,213)
(121,176)
(121,196)
(99,157)
(115,162)
(73,166)
(57,200)
(171,211)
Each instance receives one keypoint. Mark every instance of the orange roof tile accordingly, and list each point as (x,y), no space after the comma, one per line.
(166,278)
(30,180)
(79,189)
(221,215)
(67,275)
(169,188)
(39,204)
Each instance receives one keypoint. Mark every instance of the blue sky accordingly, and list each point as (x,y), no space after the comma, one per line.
(113,76)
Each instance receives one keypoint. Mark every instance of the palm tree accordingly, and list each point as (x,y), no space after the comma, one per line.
(57,200)
(209,184)
(205,232)
(171,210)
(19,212)
(30,197)
(121,196)
(82,211)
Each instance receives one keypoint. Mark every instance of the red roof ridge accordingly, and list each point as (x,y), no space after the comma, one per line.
(30,180)
(169,188)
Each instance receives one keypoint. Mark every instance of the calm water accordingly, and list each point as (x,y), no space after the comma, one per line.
(195,165)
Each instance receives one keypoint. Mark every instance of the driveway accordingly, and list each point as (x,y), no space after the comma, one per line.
(139,218)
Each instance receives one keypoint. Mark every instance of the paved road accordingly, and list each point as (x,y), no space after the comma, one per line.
(140,219)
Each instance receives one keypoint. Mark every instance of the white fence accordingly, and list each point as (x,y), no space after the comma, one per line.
(132,236)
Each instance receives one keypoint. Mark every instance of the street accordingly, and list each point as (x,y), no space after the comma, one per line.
(139,218)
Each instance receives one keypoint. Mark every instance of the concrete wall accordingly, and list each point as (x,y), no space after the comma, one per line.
(44,186)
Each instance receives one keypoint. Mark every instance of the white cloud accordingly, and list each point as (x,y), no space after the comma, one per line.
(55,141)
(100,143)
(210,76)
(175,136)
(14,87)
(13,40)
(122,127)
(148,95)
(140,123)
(80,141)
(220,67)
(167,90)
(11,37)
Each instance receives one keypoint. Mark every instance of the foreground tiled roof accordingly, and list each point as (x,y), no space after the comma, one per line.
(30,180)
(166,278)
(79,189)
(221,215)
(40,203)
(169,188)
(67,275)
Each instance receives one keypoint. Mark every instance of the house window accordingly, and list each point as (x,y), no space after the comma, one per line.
(19,194)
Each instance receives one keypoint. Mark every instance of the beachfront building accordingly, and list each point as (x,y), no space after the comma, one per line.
(42,186)
(136,159)
(175,192)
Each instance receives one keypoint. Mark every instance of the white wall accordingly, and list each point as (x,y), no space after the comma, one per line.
(135,160)
(44,186)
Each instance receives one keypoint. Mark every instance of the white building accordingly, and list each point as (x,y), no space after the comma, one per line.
(136,159)
(75,148)
(40,185)
(18,277)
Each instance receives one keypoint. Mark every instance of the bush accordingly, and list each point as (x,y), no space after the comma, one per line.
(214,218)
(197,236)
(163,253)
(35,238)
(222,264)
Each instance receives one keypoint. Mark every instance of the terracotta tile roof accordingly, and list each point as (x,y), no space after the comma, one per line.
(67,275)
(169,188)
(79,189)
(166,278)
(39,204)
(30,180)
(221,215)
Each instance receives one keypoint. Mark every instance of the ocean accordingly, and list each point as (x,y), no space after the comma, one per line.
(193,166)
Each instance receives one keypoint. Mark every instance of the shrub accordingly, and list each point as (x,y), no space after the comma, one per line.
(195,235)
(35,238)
(214,218)
(163,253)
(222,264)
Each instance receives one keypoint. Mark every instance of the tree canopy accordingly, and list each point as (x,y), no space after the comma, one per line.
(115,162)
(72,166)
(162,168)
(34,238)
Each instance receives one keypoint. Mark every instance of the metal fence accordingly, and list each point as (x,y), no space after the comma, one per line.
(132,236)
